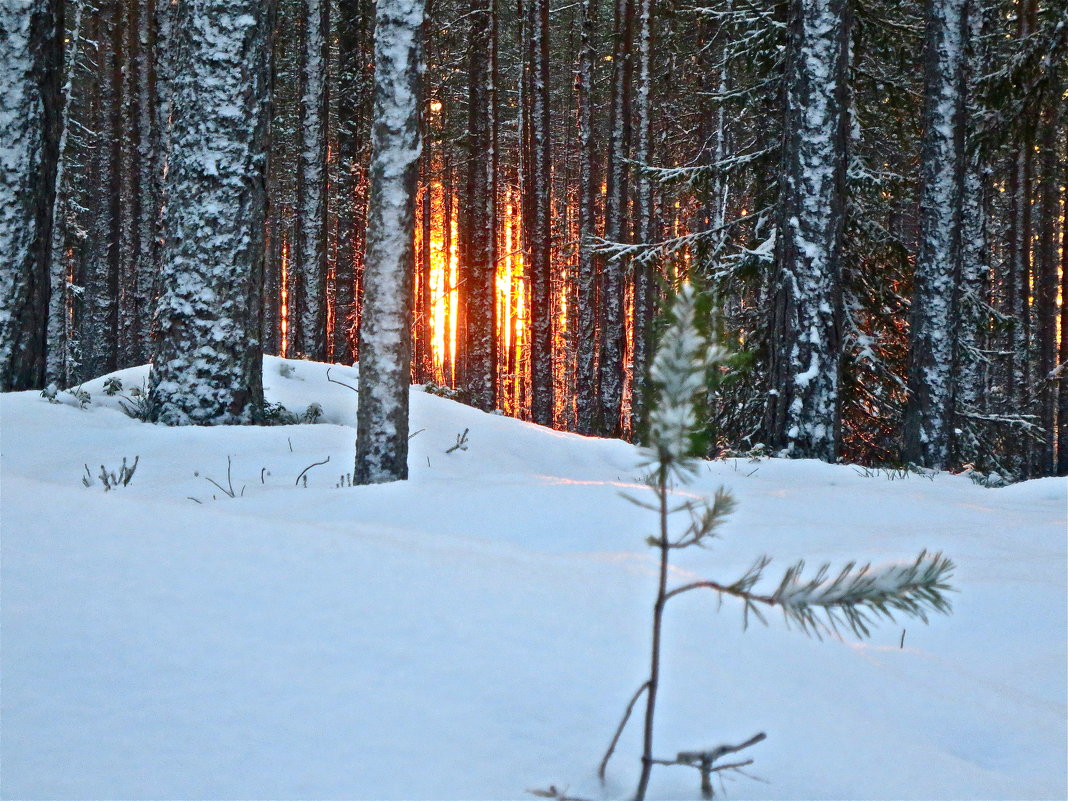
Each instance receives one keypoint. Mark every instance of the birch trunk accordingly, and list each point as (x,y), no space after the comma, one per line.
(386,330)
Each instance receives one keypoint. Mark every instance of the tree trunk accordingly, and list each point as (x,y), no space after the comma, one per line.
(975,251)
(803,416)
(207,368)
(309,251)
(935,314)
(385,333)
(586,380)
(613,325)
(480,252)
(645,229)
(1046,289)
(539,178)
(30,110)
(60,304)
(1062,391)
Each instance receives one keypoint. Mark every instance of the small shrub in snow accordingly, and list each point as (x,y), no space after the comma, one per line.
(461,442)
(852,598)
(442,391)
(285,370)
(111,478)
(112,385)
(275,414)
(135,402)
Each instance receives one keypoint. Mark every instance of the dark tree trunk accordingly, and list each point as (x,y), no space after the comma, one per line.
(98,323)
(613,325)
(309,250)
(480,252)
(1046,263)
(586,346)
(539,235)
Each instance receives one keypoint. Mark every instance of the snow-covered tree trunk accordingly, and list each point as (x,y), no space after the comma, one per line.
(928,424)
(309,251)
(386,330)
(207,368)
(974,248)
(31,66)
(1062,356)
(645,221)
(480,217)
(586,346)
(540,198)
(613,330)
(59,365)
(803,409)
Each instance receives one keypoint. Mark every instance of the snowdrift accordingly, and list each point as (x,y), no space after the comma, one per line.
(476,631)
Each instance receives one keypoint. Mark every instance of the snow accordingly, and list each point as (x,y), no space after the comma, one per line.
(477,631)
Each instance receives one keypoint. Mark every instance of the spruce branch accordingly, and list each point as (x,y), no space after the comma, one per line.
(855,597)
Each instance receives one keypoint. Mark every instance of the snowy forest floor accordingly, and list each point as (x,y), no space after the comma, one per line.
(477,631)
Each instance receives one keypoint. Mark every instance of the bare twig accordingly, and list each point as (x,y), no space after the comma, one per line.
(309,467)
(342,383)
(230,492)
(619,730)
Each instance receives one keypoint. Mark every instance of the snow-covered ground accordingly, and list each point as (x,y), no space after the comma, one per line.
(477,631)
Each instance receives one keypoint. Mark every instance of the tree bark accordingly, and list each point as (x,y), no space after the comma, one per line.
(586,346)
(538,189)
(30,108)
(207,368)
(803,416)
(480,252)
(613,325)
(929,419)
(309,251)
(386,330)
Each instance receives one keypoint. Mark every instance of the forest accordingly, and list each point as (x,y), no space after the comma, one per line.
(706,361)
(869,195)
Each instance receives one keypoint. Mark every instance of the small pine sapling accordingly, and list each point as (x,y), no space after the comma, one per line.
(854,597)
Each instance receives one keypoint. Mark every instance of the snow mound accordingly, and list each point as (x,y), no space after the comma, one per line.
(477,630)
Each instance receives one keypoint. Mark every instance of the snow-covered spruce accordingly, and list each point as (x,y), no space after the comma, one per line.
(678,372)
(207,366)
(385,330)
